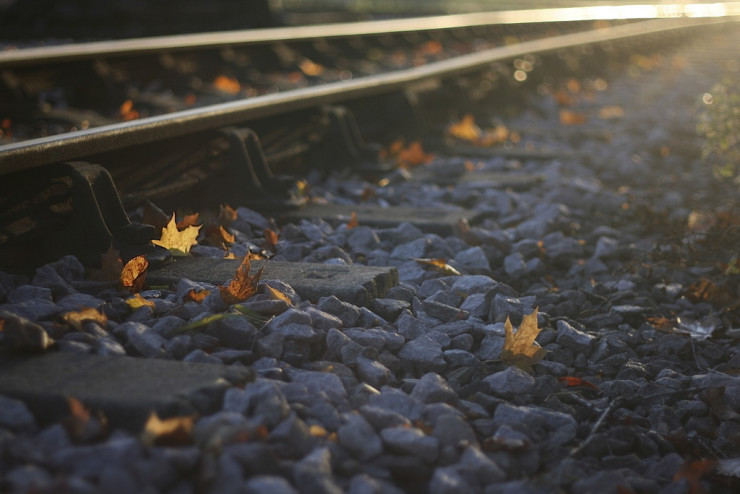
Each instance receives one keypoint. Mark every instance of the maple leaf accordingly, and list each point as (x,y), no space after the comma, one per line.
(276,294)
(152,215)
(352,223)
(187,220)
(110,266)
(271,240)
(226,215)
(176,241)
(81,424)
(242,285)
(227,84)
(134,274)
(440,264)
(520,349)
(173,431)
(77,318)
(196,296)
(218,236)
(137,301)
(465,129)
(406,156)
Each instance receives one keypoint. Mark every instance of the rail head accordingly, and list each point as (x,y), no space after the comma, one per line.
(77,51)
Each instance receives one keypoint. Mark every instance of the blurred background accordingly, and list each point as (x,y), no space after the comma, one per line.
(50,21)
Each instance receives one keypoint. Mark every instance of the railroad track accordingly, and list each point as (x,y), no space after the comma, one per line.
(371,357)
(171,95)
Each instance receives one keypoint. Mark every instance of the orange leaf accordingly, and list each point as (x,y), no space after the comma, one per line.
(276,294)
(218,236)
(271,240)
(77,318)
(693,472)
(310,68)
(174,431)
(242,285)
(465,129)
(577,381)
(440,264)
(520,348)
(227,84)
(196,296)
(568,117)
(352,223)
(611,111)
(187,220)
(134,274)
(413,155)
(226,215)
(127,110)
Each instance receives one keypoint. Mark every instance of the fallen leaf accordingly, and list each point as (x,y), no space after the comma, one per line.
(152,215)
(173,431)
(136,301)
(406,156)
(196,296)
(227,84)
(127,110)
(187,220)
(271,240)
(177,242)
(577,381)
(134,274)
(520,349)
(310,67)
(226,215)
(276,294)
(610,112)
(77,318)
(218,236)
(82,425)
(352,223)
(242,285)
(110,266)
(693,472)
(440,264)
(465,129)
(568,117)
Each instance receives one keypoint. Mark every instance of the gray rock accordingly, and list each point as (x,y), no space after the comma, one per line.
(603,481)
(473,260)
(270,345)
(459,358)
(25,293)
(357,436)
(573,339)
(167,326)
(365,484)
(15,415)
(555,428)
(453,431)
(323,320)
(471,284)
(268,483)
(443,312)
(368,338)
(474,464)
(346,312)
(291,316)
(475,305)
(510,382)
(142,338)
(397,401)
(313,474)
(380,417)
(424,354)
(89,460)
(362,240)
(403,233)
(335,342)
(199,356)
(503,306)
(252,218)
(389,309)
(234,332)
(410,327)
(411,250)
(58,275)
(261,399)
(515,265)
(28,478)
(605,247)
(490,347)
(318,382)
(432,388)
(21,334)
(411,441)
(372,372)
(447,480)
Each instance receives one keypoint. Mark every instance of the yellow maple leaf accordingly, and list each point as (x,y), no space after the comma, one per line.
(520,349)
(439,264)
(176,241)
(77,318)
(172,431)
(276,294)
(137,301)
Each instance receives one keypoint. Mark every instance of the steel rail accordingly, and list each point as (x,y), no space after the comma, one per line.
(28,154)
(16,57)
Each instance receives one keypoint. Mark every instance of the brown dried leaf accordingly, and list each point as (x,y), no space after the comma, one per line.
(188,220)
(440,264)
(134,274)
(693,472)
(276,294)
(173,431)
(152,215)
(137,301)
(271,240)
(77,318)
(218,236)
(242,285)
(226,215)
(196,296)
(177,242)
(352,223)
(465,129)
(227,84)
(520,349)
(568,117)
(110,266)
